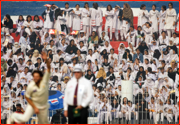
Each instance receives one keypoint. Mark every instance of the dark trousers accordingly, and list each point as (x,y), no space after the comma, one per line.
(77,120)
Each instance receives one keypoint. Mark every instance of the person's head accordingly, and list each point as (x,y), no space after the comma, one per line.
(66,79)
(146,61)
(18,107)
(146,52)
(137,60)
(86,5)
(25,35)
(137,51)
(56,69)
(77,6)
(59,52)
(115,101)
(125,5)
(26,69)
(109,7)
(7,17)
(105,60)
(129,103)
(148,24)
(106,43)
(169,102)
(139,28)
(103,33)
(10,62)
(72,42)
(28,18)
(20,18)
(174,35)
(129,70)
(143,7)
(119,87)
(51,42)
(89,72)
(89,62)
(78,52)
(81,43)
(162,69)
(94,87)
(25,86)
(125,100)
(61,60)
(163,63)
(141,69)
(78,71)
(12,78)
(90,51)
(93,33)
(53,6)
(140,78)
(112,51)
(105,100)
(155,36)
(21,61)
(95,6)
(131,28)
(163,7)
(3,79)
(163,33)
(143,43)
(153,7)
(46,34)
(38,60)
(111,69)
(170,5)
(37,76)
(36,18)
(152,99)
(66,5)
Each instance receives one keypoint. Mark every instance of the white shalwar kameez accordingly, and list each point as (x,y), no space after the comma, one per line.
(142,19)
(30,24)
(170,19)
(96,20)
(130,37)
(117,25)
(109,22)
(47,23)
(153,18)
(177,26)
(162,16)
(148,34)
(76,20)
(68,17)
(85,21)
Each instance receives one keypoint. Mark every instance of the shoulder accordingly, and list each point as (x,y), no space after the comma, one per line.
(86,80)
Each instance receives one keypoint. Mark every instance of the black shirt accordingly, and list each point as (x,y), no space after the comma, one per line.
(9,24)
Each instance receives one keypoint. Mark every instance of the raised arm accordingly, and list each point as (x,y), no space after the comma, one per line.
(44,56)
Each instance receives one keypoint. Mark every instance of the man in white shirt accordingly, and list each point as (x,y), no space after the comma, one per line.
(36,96)
(78,96)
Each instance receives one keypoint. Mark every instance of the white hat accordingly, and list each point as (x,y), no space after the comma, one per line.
(78,68)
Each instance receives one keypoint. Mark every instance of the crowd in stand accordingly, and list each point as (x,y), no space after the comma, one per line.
(151,59)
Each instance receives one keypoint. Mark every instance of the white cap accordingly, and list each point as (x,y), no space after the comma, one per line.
(78,68)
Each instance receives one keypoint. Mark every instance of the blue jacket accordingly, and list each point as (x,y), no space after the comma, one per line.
(140,57)
(50,15)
